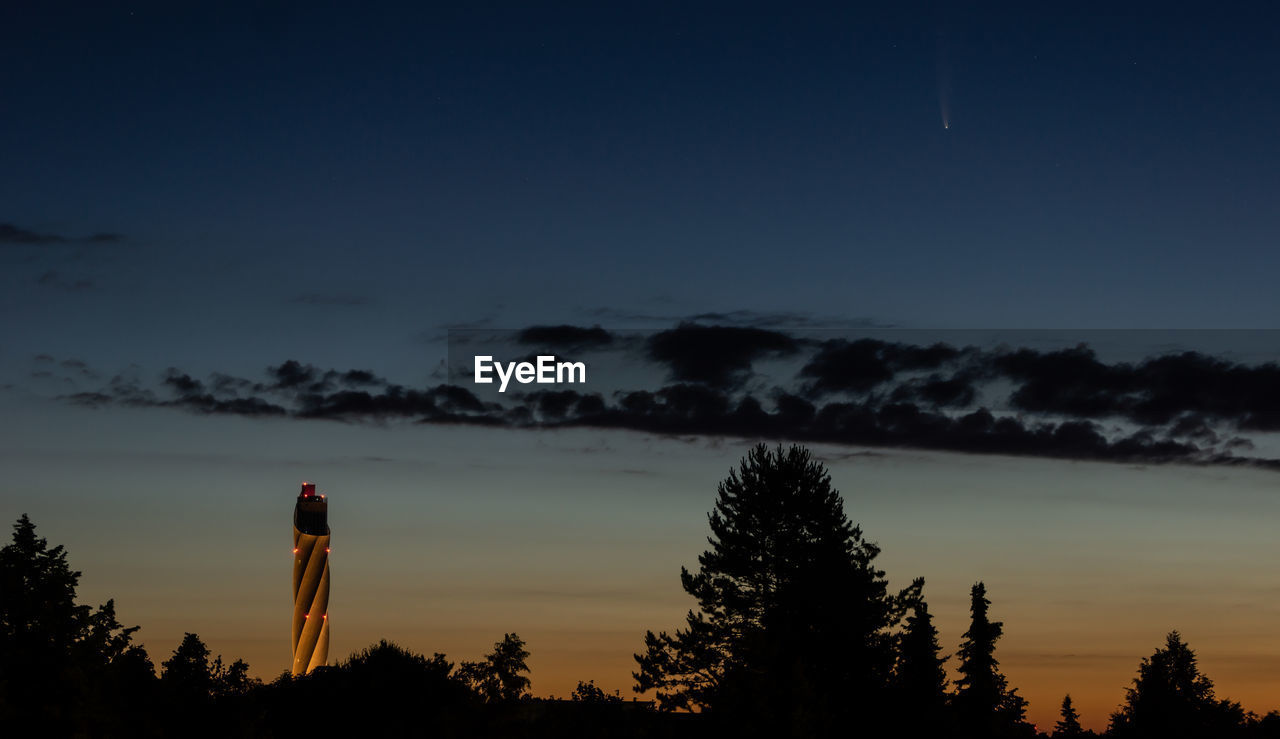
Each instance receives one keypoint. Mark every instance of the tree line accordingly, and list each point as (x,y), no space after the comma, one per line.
(795,633)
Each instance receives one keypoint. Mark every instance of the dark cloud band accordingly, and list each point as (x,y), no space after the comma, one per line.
(1185,407)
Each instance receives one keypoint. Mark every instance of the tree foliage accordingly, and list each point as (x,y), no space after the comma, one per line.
(986,706)
(795,633)
(1068,727)
(500,677)
(62,664)
(382,690)
(589,692)
(1170,697)
(920,675)
(187,672)
(793,621)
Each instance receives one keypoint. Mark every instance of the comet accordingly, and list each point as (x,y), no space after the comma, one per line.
(944,83)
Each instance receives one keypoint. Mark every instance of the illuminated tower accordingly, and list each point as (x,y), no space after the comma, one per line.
(310,581)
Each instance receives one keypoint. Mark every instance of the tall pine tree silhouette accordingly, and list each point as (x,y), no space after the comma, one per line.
(985,705)
(920,676)
(1068,727)
(791,634)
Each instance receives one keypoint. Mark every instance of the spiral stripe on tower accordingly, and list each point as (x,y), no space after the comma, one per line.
(310,581)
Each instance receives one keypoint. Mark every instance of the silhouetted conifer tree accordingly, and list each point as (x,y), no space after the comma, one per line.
(62,665)
(39,625)
(985,705)
(919,676)
(791,634)
(1171,698)
(1068,727)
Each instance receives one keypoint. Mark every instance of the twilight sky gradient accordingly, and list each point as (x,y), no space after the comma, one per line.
(229,187)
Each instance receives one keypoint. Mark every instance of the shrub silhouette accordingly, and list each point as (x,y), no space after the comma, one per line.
(384,690)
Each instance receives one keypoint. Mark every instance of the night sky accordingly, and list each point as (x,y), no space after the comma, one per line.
(223,189)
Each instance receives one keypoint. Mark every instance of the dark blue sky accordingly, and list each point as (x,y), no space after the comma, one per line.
(297,178)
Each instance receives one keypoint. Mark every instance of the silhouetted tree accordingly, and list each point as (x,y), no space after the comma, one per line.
(187,675)
(120,680)
(232,680)
(128,701)
(383,690)
(1267,727)
(919,676)
(791,634)
(61,664)
(1170,698)
(499,677)
(985,705)
(205,697)
(588,693)
(39,624)
(1068,727)
(396,661)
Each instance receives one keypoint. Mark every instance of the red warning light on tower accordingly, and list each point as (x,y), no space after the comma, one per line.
(308,490)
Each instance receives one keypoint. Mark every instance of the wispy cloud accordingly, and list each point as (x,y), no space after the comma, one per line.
(741,317)
(53,280)
(16,235)
(345,300)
